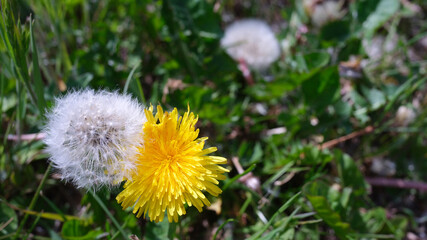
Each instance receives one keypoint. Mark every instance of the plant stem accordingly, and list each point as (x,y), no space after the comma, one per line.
(33,201)
(109,214)
(396,183)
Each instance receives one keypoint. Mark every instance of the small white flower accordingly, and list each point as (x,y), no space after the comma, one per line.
(92,137)
(404,116)
(323,12)
(253,42)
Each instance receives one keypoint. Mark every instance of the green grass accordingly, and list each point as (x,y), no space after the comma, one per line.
(325,86)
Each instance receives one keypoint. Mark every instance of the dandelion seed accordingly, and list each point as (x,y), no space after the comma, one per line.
(253,42)
(92,137)
(173,169)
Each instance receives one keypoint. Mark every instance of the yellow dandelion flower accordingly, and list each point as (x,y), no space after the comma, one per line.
(172,169)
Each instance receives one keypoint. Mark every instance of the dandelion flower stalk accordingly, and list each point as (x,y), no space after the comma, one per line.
(173,169)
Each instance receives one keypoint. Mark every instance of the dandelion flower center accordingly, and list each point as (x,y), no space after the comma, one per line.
(173,169)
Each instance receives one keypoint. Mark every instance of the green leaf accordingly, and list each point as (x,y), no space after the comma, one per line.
(74,229)
(398,226)
(365,8)
(309,64)
(8,219)
(316,60)
(157,231)
(54,235)
(349,173)
(205,21)
(323,88)
(257,154)
(335,31)
(374,219)
(316,193)
(352,47)
(275,89)
(288,234)
(384,11)
(343,109)
(375,97)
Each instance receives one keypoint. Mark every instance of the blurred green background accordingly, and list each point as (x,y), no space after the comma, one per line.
(337,117)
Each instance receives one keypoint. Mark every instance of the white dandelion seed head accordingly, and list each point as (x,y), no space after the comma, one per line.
(404,116)
(92,137)
(324,12)
(253,42)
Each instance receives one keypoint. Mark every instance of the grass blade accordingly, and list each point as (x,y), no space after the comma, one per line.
(130,77)
(3,31)
(277,175)
(33,225)
(16,51)
(125,236)
(281,209)
(222,226)
(138,86)
(282,227)
(235,178)
(2,96)
(140,92)
(33,201)
(38,82)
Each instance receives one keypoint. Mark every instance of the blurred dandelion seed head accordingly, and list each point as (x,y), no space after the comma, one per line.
(405,116)
(92,137)
(383,167)
(323,12)
(253,42)
(172,168)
